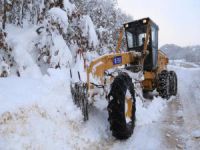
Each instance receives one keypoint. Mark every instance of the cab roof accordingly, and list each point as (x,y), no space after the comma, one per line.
(140,22)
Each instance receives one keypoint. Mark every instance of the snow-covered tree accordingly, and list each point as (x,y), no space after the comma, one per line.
(66,27)
(6,58)
(51,46)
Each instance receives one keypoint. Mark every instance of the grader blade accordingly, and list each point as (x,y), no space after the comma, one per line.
(79,92)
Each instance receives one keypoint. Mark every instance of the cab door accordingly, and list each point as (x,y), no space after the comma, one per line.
(154,39)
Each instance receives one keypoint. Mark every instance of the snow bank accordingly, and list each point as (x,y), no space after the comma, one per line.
(34,112)
(151,113)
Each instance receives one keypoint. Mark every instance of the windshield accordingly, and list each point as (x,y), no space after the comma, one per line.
(135,40)
(141,39)
(130,40)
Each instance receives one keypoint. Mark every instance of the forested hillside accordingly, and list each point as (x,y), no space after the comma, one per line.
(188,53)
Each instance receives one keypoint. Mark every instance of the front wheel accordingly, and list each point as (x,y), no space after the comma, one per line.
(121,107)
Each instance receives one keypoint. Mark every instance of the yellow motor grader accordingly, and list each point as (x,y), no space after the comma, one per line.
(142,55)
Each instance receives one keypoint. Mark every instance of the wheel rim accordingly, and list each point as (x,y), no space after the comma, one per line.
(128,107)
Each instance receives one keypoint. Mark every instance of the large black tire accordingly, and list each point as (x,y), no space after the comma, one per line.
(163,86)
(121,129)
(173,83)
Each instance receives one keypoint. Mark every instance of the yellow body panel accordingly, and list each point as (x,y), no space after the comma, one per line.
(103,63)
(149,83)
(162,61)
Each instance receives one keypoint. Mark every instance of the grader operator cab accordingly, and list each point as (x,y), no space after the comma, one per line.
(136,34)
(142,55)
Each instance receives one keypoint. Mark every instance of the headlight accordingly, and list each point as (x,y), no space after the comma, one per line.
(144,21)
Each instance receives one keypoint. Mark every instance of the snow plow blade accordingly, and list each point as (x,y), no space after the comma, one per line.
(79,92)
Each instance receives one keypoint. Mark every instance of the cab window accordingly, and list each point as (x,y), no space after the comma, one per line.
(141,39)
(154,34)
(130,39)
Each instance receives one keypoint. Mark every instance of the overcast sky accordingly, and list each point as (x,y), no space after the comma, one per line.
(178,20)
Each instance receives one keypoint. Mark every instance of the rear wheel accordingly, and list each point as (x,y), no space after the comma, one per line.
(121,107)
(173,83)
(164,84)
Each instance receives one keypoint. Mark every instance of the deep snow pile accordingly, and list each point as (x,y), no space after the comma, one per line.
(38,113)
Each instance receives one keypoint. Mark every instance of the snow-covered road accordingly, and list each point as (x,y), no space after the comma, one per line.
(38,113)
(189,106)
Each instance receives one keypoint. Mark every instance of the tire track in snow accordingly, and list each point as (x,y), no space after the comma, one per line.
(173,125)
(189,86)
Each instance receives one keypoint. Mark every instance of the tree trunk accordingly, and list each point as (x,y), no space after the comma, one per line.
(4,15)
(22,13)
